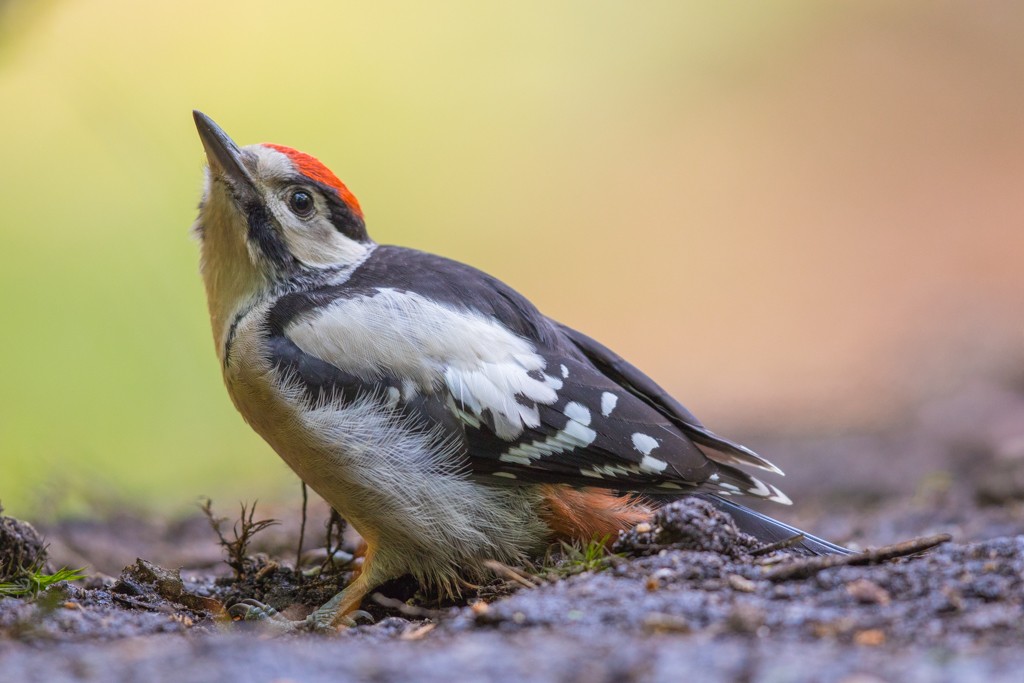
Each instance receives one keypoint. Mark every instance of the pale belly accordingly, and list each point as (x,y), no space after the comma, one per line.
(401,489)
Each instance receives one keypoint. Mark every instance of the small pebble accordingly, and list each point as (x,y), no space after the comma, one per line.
(872,637)
(741,583)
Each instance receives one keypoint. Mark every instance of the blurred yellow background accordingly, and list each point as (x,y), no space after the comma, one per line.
(798,216)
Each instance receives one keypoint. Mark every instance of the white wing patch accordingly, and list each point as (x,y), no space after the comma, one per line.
(652,465)
(493,387)
(644,443)
(608,403)
(602,471)
(484,365)
(576,434)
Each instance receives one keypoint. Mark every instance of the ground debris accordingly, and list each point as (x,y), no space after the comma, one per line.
(689,595)
(868,592)
(21,548)
(803,567)
(166,584)
(687,524)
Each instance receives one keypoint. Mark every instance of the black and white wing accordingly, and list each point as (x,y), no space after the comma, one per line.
(527,399)
(607,425)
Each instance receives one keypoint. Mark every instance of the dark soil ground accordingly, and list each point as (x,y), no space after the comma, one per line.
(687,598)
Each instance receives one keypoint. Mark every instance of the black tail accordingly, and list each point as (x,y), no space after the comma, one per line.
(768,530)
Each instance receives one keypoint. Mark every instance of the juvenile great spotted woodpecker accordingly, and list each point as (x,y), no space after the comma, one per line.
(435,408)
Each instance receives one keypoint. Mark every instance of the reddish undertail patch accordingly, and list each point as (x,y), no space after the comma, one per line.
(311,167)
(589,514)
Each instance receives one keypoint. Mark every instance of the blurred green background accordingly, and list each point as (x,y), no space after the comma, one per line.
(798,216)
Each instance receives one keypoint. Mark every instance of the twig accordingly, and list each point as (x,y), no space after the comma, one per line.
(302,535)
(509,574)
(244,529)
(407,610)
(778,545)
(805,567)
(132,602)
(335,521)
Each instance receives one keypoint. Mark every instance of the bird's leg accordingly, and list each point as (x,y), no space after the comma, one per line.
(341,609)
(337,612)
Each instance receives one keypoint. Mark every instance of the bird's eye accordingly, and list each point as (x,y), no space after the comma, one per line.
(301,203)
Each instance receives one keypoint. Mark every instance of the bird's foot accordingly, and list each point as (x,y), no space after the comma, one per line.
(320,621)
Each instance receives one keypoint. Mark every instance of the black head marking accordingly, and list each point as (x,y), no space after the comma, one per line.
(265,235)
(346,221)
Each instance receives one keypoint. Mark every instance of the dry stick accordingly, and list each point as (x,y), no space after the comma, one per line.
(778,545)
(408,610)
(508,573)
(302,534)
(334,521)
(139,603)
(803,568)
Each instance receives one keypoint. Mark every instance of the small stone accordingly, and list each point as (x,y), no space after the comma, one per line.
(741,583)
(418,632)
(872,637)
(658,622)
(831,628)
(745,618)
(868,592)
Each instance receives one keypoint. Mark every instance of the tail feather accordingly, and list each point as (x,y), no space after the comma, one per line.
(731,481)
(724,451)
(768,530)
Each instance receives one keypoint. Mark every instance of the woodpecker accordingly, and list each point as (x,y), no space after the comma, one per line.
(434,407)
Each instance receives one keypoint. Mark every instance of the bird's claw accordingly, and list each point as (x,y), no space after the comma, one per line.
(254,610)
(353,617)
(317,622)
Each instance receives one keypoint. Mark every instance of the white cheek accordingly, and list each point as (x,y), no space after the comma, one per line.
(315,242)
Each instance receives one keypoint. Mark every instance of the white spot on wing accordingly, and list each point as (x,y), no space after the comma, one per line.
(602,471)
(565,372)
(608,401)
(506,475)
(578,412)
(644,443)
(576,434)
(515,458)
(653,465)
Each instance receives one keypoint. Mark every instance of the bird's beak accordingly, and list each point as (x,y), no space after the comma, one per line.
(223,154)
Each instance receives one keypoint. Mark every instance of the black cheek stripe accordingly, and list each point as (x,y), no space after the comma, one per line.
(263,233)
